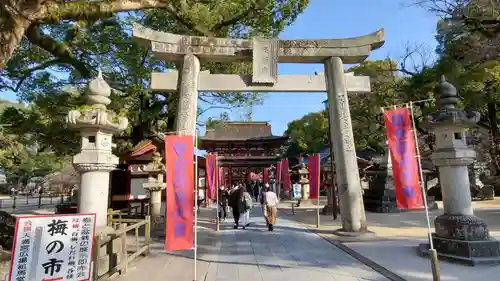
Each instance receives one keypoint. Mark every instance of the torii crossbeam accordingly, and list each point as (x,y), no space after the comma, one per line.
(169,81)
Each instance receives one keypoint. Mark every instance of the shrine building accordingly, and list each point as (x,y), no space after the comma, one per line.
(128,179)
(242,147)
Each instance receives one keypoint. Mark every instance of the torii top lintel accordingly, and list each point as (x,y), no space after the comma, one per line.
(173,47)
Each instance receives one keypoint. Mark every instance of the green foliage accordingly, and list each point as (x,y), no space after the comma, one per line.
(65,49)
(309,134)
(21,162)
(468,45)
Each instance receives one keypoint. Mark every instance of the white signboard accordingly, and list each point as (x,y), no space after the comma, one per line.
(52,248)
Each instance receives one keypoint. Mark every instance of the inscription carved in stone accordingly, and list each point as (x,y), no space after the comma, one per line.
(345,123)
(265,60)
(188,98)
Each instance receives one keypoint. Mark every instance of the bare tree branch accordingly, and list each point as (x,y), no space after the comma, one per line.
(27,72)
(58,50)
(201,112)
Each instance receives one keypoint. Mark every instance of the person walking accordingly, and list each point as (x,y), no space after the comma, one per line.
(233,202)
(262,191)
(244,206)
(223,200)
(270,208)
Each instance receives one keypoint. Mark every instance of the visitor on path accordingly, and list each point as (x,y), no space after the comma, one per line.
(270,207)
(262,191)
(233,202)
(258,189)
(223,198)
(244,206)
(249,186)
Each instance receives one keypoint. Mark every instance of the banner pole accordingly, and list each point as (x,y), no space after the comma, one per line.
(195,254)
(318,171)
(432,251)
(217,224)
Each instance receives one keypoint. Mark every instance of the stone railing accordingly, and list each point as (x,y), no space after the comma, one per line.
(117,249)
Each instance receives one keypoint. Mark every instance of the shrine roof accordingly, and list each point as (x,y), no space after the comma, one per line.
(240,131)
(149,145)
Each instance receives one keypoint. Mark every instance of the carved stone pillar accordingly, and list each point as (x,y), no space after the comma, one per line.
(342,145)
(188,96)
(96,125)
(155,185)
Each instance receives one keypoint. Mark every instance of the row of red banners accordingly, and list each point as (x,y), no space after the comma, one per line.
(180,176)
(213,174)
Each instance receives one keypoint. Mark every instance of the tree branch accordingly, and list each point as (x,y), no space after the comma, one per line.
(58,50)
(179,15)
(27,72)
(93,10)
(254,7)
(201,112)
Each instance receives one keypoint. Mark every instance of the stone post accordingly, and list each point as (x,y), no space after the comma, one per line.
(342,145)
(155,185)
(304,182)
(330,188)
(459,234)
(187,107)
(96,125)
(387,165)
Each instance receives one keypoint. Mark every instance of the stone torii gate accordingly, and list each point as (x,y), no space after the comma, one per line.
(265,54)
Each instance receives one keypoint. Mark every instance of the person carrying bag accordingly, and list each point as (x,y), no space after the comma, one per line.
(244,207)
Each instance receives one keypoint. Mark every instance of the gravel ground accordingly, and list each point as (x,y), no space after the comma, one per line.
(4,262)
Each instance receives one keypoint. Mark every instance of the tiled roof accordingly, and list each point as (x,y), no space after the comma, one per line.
(239,131)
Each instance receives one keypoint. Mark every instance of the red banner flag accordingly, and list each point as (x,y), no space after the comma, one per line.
(313,165)
(286,176)
(221,177)
(211,164)
(404,161)
(278,172)
(179,171)
(265,176)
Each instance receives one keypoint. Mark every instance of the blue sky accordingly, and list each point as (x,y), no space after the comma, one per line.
(324,19)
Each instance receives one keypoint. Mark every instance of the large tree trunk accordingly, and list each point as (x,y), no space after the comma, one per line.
(11,32)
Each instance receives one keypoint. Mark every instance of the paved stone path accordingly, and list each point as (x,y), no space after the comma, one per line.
(288,253)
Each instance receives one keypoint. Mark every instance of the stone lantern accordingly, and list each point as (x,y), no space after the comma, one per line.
(155,185)
(304,181)
(95,161)
(460,235)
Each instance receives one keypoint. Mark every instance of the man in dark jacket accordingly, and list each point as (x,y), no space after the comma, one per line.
(234,198)
(223,200)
